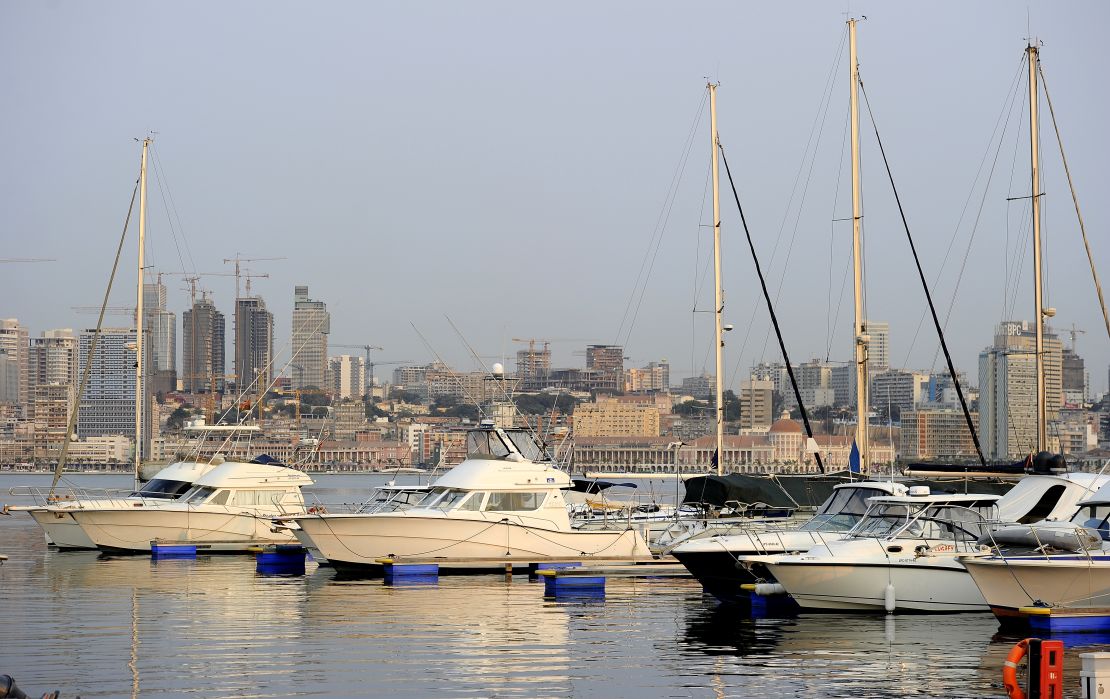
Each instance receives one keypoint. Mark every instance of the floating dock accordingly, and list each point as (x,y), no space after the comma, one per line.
(631,566)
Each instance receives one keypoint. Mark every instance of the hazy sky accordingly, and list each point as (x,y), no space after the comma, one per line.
(506,165)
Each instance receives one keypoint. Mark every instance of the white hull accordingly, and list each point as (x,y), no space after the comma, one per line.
(223,528)
(928,584)
(1076,581)
(61,529)
(360,540)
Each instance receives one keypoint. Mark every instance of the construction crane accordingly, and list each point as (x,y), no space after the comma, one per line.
(110,310)
(251,275)
(11,260)
(1073,332)
(238,260)
(191,278)
(369,364)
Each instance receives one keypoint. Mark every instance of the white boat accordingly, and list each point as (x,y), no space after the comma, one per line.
(503,502)
(902,556)
(55,517)
(713,559)
(229,509)
(1053,565)
(911,544)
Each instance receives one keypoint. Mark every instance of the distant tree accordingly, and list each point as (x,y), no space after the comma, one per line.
(407,397)
(177,418)
(695,408)
(732,406)
(373,411)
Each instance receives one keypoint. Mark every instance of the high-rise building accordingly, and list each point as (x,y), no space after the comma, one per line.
(898,390)
(608,362)
(1008,389)
(160,338)
(655,377)
(13,346)
(311,326)
(348,374)
(878,345)
(51,403)
(254,345)
(702,386)
(936,433)
(107,405)
(53,359)
(756,405)
(1073,378)
(202,352)
(533,365)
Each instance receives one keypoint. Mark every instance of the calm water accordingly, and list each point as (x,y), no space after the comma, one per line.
(129,626)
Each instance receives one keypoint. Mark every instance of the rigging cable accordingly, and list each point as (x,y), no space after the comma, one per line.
(924,283)
(771,308)
(1075,200)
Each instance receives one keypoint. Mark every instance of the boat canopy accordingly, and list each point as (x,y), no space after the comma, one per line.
(492,442)
(240,474)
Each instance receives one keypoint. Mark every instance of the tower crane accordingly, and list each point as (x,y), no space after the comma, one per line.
(1073,332)
(238,260)
(251,275)
(369,364)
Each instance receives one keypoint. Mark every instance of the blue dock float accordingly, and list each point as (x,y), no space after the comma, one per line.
(560,585)
(163,551)
(409,573)
(283,560)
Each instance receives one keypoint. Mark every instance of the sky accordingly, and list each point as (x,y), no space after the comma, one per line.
(540,169)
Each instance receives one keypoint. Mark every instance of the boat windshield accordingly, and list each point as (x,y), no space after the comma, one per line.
(881,520)
(953,522)
(526,444)
(162,488)
(486,443)
(198,495)
(433,495)
(392,500)
(1094,516)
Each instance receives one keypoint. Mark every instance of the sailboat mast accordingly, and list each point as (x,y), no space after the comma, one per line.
(1034,166)
(859,331)
(718,294)
(139,394)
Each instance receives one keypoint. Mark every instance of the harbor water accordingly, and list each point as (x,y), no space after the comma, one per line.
(124,626)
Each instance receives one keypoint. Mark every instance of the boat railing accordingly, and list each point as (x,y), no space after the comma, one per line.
(47,497)
(1044,549)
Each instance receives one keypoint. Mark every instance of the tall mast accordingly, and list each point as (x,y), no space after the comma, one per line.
(1034,166)
(859,331)
(139,394)
(718,294)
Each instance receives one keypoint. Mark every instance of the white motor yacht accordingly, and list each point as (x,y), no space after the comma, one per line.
(55,517)
(1050,563)
(230,509)
(504,501)
(902,556)
(712,559)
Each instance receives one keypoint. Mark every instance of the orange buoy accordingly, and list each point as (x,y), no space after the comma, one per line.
(1009,670)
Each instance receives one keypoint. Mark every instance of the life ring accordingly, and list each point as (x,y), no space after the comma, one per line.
(1009,670)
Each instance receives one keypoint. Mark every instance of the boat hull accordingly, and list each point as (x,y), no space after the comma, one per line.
(133,531)
(927,585)
(353,541)
(61,529)
(1076,582)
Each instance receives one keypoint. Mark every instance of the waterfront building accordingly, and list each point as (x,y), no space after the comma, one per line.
(614,418)
(52,359)
(878,345)
(14,345)
(349,417)
(254,346)
(756,405)
(311,326)
(608,361)
(656,376)
(348,376)
(160,338)
(701,387)
(898,389)
(51,405)
(936,433)
(203,349)
(1008,389)
(107,405)
(1073,379)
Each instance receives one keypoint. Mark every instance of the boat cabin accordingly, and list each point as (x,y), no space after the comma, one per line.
(962,518)
(847,504)
(249,485)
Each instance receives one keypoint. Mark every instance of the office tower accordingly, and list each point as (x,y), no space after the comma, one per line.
(1008,389)
(878,345)
(53,359)
(533,365)
(107,405)
(348,373)
(203,348)
(254,345)
(1073,378)
(13,347)
(160,338)
(311,326)
(756,405)
(607,361)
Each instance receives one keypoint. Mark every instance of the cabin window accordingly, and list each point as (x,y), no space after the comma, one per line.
(473,503)
(429,500)
(486,443)
(515,502)
(525,443)
(450,499)
(255,498)
(163,488)
(221,497)
(199,495)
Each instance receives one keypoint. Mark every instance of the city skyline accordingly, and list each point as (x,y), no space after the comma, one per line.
(507,171)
